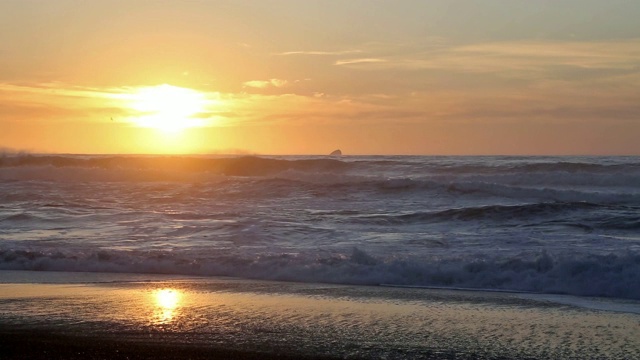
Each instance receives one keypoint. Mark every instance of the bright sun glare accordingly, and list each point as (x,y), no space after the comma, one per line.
(168,108)
(167,298)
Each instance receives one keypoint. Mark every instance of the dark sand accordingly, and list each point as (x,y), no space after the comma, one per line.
(85,316)
(44,345)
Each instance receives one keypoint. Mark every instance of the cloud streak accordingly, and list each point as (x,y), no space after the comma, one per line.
(519,57)
(319,53)
(359,61)
(263,84)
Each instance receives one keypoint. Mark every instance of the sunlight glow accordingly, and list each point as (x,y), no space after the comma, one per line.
(167,298)
(167,305)
(169,108)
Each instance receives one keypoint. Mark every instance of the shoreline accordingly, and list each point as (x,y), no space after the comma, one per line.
(197,318)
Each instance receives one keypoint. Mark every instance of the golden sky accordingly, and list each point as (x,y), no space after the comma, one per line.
(307,77)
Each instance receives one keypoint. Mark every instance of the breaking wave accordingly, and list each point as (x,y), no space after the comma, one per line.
(554,225)
(542,272)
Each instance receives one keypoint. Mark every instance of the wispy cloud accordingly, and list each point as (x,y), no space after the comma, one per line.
(321,53)
(520,58)
(61,89)
(262,84)
(359,61)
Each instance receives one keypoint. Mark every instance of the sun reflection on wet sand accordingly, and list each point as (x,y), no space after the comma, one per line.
(307,319)
(166,304)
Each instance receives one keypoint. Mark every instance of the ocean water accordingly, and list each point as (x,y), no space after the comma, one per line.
(553,225)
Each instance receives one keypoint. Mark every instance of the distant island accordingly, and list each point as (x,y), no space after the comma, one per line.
(336,153)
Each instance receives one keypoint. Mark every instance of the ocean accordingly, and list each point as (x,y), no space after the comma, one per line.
(550,225)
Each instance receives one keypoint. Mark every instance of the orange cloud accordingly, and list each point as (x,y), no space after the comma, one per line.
(261,84)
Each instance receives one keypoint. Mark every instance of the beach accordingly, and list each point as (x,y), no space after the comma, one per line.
(104,316)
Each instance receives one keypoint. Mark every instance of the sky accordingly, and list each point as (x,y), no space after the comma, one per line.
(433,77)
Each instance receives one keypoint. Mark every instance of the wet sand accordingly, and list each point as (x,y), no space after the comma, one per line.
(105,316)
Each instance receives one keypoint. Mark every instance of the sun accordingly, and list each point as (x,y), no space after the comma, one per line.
(168,108)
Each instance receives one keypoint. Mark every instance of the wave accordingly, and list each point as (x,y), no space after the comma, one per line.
(481,189)
(532,165)
(153,168)
(253,165)
(559,181)
(489,212)
(612,275)
(319,184)
(21,217)
(583,215)
(235,216)
(245,165)
(545,193)
(575,167)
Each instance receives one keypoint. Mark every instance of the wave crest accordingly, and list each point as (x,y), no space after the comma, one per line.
(153,168)
(612,275)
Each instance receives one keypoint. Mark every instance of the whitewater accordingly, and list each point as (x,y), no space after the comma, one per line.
(553,225)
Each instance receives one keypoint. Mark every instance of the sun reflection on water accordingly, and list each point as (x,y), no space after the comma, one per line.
(167,304)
